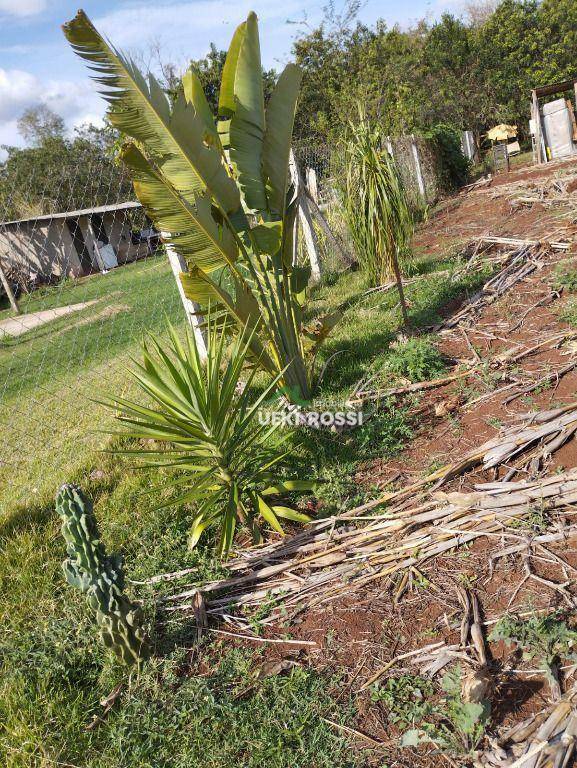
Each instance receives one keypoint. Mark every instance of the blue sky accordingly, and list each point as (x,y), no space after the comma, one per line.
(37,65)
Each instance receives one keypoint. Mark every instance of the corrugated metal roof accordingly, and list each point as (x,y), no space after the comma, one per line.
(75,214)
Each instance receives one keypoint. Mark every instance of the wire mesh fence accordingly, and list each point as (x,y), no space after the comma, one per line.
(89,276)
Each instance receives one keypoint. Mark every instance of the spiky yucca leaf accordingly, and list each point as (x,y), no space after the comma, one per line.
(206,422)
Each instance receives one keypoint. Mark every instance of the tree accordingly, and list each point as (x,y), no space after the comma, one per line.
(60,175)
(38,124)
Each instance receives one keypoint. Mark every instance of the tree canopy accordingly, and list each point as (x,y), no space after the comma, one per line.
(469,73)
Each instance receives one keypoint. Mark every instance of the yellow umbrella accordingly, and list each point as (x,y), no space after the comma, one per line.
(502,132)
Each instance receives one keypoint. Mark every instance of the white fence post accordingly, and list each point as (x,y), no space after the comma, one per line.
(312,184)
(191,309)
(304,216)
(418,170)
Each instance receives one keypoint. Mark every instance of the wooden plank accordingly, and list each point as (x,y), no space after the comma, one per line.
(537,119)
(312,186)
(191,309)
(345,256)
(9,291)
(305,220)
(549,90)
(418,170)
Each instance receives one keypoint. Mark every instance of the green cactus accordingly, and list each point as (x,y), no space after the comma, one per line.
(100,577)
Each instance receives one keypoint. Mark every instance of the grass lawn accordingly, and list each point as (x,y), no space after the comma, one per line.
(49,375)
(54,670)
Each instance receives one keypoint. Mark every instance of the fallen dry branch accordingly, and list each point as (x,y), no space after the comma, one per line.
(335,556)
(515,242)
(518,265)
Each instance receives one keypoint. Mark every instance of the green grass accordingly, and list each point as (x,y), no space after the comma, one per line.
(49,376)
(188,707)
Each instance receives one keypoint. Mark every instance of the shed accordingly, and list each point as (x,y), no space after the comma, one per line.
(75,243)
(553,124)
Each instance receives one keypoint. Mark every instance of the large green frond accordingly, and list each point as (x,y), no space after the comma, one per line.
(190,227)
(194,94)
(141,110)
(280,115)
(247,125)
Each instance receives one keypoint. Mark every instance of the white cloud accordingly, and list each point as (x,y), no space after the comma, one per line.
(192,26)
(22,8)
(76,102)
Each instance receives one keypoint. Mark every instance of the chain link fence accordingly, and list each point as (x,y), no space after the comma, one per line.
(419,166)
(85,276)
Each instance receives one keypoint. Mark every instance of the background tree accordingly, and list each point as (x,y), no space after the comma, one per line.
(38,124)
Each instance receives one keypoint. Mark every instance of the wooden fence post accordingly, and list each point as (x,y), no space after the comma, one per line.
(191,309)
(418,170)
(312,186)
(9,291)
(304,217)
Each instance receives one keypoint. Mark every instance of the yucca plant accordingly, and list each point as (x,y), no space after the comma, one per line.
(376,206)
(219,190)
(203,418)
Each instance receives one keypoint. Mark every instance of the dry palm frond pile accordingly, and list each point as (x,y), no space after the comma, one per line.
(336,555)
(545,740)
(518,263)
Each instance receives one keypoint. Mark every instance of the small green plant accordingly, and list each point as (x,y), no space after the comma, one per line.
(206,423)
(416,359)
(568,313)
(565,277)
(547,639)
(537,519)
(385,434)
(407,698)
(454,724)
(100,577)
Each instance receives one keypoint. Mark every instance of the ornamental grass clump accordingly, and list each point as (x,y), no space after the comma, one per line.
(376,206)
(202,419)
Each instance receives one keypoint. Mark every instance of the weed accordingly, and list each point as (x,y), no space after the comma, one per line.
(568,313)
(385,434)
(535,519)
(547,639)
(416,359)
(454,724)
(565,277)
(406,697)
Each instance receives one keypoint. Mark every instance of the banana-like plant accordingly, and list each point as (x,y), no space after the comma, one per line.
(219,190)
(206,420)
